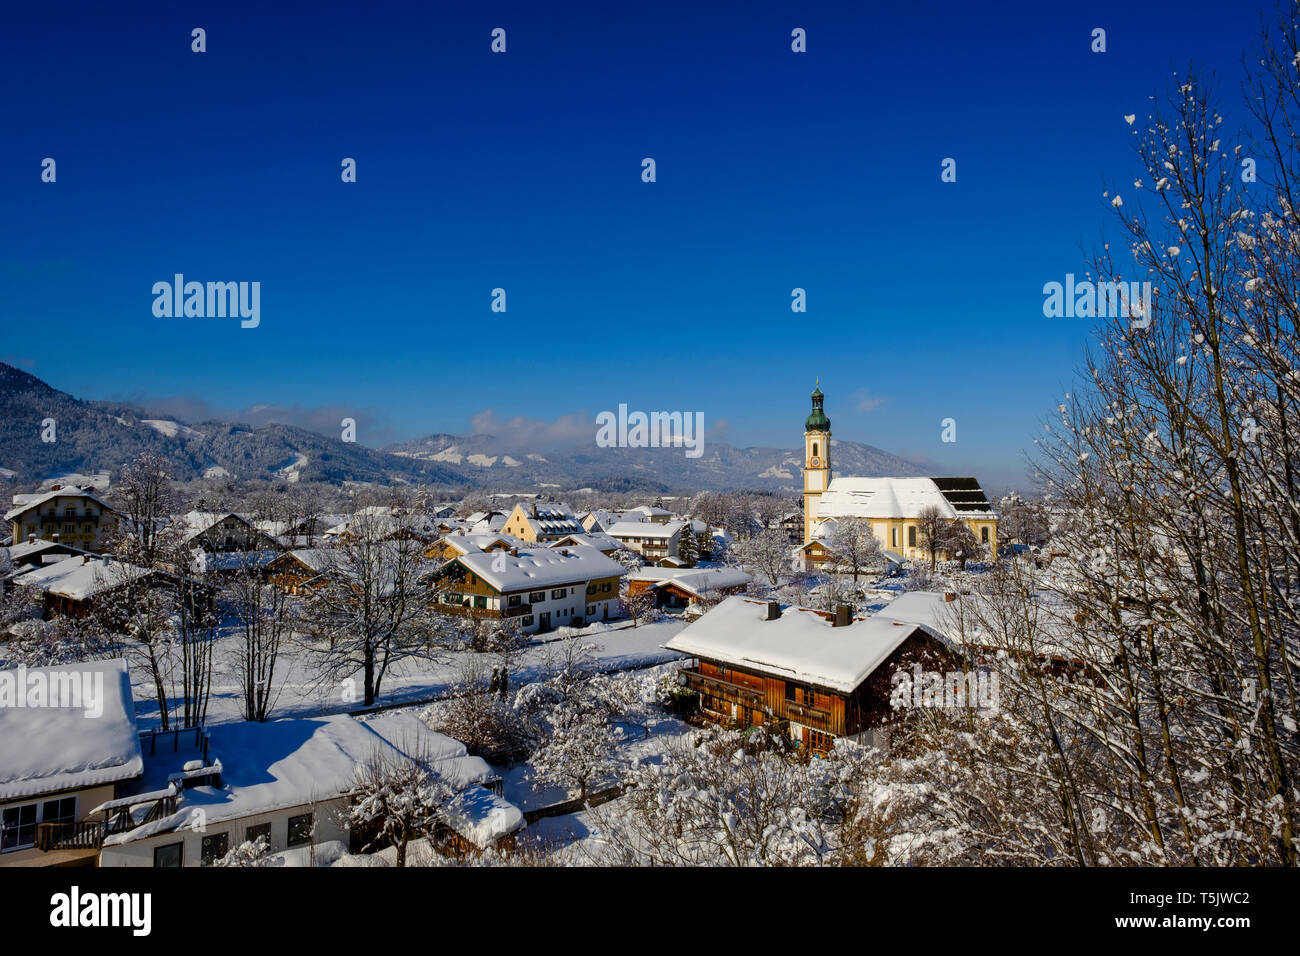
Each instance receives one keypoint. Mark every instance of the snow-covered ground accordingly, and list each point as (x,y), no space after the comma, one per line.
(616,647)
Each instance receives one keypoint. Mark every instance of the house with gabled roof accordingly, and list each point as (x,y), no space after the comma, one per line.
(540,524)
(74,516)
(815,674)
(541,588)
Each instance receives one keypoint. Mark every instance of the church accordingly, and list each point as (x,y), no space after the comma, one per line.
(892,506)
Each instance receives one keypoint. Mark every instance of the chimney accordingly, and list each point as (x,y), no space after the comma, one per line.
(55,536)
(31,539)
(843,615)
(950,595)
(514,552)
(85,559)
(773,611)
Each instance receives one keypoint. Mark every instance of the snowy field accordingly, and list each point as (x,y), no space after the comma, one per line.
(617,646)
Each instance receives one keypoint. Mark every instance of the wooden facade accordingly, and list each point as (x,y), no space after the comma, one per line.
(745,696)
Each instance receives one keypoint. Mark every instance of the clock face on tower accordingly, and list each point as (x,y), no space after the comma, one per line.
(814,462)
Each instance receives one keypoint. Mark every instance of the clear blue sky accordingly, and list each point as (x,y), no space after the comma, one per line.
(522,171)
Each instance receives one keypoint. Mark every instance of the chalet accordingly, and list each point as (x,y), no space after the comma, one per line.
(540,525)
(72,516)
(296,571)
(649,539)
(543,588)
(677,588)
(218,531)
(75,585)
(818,675)
(57,764)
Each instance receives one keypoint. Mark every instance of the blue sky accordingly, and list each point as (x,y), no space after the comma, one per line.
(522,170)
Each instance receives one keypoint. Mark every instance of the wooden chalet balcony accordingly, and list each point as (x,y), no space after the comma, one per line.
(722,688)
(60,519)
(86,835)
(806,714)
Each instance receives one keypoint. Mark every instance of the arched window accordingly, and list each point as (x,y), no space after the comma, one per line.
(814,449)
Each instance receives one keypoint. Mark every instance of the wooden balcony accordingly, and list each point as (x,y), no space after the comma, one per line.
(86,835)
(813,716)
(722,688)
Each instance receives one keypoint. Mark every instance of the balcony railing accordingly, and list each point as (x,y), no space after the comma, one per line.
(809,715)
(713,685)
(86,835)
(60,519)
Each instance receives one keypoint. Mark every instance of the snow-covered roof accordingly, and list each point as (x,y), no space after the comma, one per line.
(47,749)
(32,501)
(540,567)
(26,550)
(649,511)
(644,529)
(592,539)
(195,523)
(313,558)
(800,645)
(271,766)
(926,609)
(81,576)
(481,817)
(698,581)
(902,498)
(230,560)
(465,543)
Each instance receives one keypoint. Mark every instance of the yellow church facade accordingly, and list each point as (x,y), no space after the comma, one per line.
(892,506)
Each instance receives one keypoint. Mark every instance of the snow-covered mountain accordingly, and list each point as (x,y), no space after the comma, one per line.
(102,436)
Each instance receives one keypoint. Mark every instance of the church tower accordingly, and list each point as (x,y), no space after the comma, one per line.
(817,461)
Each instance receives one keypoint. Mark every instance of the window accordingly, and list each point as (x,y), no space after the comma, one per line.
(911,536)
(559,593)
(514,600)
(591,609)
(18,824)
(169,854)
(300,830)
(536,597)
(60,811)
(18,828)
(984,535)
(480,601)
(255,833)
(893,537)
(528,620)
(214,847)
(604,588)
(591,589)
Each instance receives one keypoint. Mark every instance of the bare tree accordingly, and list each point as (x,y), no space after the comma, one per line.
(373,609)
(854,546)
(932,526)
(266,616)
